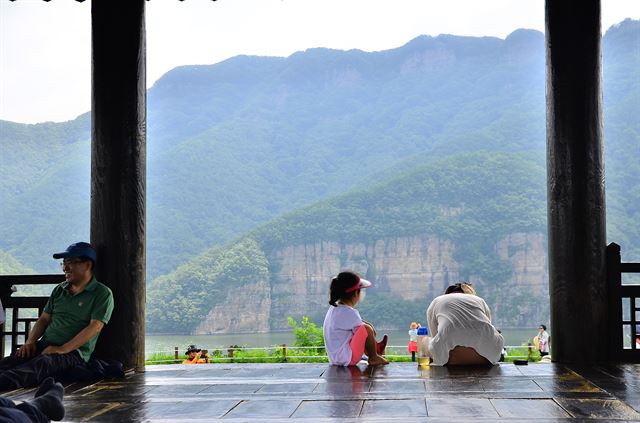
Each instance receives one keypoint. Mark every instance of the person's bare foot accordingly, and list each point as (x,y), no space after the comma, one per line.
(382,345)
(378,361)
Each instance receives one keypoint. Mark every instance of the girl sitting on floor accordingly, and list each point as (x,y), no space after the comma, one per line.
(346,335)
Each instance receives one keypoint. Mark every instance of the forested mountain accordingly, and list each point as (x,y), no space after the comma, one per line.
(232,146)
(485,212)
(10,266)
(44,189)
(621,74)
(470,202)
(268,135)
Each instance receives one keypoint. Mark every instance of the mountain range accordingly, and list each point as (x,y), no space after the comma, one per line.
(245,148)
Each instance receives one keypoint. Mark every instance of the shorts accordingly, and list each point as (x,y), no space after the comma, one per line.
(357,345)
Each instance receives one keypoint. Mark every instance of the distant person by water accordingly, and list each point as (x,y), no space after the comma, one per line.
(413,340)
(196,355)
(346,336)
(542,340)
(460,325)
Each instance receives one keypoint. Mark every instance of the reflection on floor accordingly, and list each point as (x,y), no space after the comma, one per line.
(322,393)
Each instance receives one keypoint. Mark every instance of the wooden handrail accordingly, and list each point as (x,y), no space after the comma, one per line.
(18,304)
(618,294)
(31,279)
(630,267)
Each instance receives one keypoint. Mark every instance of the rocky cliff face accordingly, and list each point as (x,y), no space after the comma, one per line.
(409,268)
(412,267)
(245,310)
(528,255)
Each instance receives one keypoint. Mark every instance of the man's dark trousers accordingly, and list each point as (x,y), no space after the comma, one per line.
(21,413)
(16,372)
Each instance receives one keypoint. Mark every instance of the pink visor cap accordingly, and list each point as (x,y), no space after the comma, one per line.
(362,283)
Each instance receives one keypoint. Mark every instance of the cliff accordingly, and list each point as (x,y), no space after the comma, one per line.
(407,268)
(246,310)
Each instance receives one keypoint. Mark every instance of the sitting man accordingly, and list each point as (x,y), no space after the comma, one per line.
(196,355)
(66,332)
(460,324)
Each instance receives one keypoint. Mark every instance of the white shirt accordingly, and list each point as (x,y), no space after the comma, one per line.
(340,324)
(543,341)
(465,320)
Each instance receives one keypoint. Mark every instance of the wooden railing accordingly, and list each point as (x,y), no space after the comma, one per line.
(21,312)
(624,306)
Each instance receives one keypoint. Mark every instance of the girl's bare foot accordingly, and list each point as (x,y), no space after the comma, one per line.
(378,360)
(380,346)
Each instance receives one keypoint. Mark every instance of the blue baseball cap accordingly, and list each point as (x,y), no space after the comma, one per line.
(79,249)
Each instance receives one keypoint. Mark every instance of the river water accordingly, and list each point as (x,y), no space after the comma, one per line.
(167,343)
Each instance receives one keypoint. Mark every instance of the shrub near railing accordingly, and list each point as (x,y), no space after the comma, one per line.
(522,353)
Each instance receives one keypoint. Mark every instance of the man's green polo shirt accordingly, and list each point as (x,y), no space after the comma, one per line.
(72,313)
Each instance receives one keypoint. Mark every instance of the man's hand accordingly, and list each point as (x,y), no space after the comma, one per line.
(53,349)
(27,350)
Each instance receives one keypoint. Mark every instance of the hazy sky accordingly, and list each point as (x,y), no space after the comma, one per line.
(45,57)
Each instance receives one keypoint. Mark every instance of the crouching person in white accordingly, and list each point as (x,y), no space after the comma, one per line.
(460,328)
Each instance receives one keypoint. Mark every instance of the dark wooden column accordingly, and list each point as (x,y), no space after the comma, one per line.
(118,171)
(576,202)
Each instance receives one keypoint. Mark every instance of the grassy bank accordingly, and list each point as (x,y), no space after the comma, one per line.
(280,354)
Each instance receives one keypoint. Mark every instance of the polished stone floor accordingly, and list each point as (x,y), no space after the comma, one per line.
(322,393)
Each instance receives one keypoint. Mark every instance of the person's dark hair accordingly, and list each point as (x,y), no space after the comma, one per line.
(339,285)
(454,289)
(192,348)
(543,327)
(460,288)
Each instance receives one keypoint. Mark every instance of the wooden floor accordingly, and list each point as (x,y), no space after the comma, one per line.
(321,393)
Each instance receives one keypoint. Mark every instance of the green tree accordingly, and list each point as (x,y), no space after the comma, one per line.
(306,333)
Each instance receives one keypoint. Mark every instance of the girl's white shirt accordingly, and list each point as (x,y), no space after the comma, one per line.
(340,323)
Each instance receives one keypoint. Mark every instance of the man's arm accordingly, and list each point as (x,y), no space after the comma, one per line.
(92,329)
(29,347)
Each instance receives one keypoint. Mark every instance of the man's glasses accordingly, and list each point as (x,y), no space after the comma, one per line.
(70,262)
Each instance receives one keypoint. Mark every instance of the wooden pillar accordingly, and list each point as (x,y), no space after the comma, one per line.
(576,201)
(118,172)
